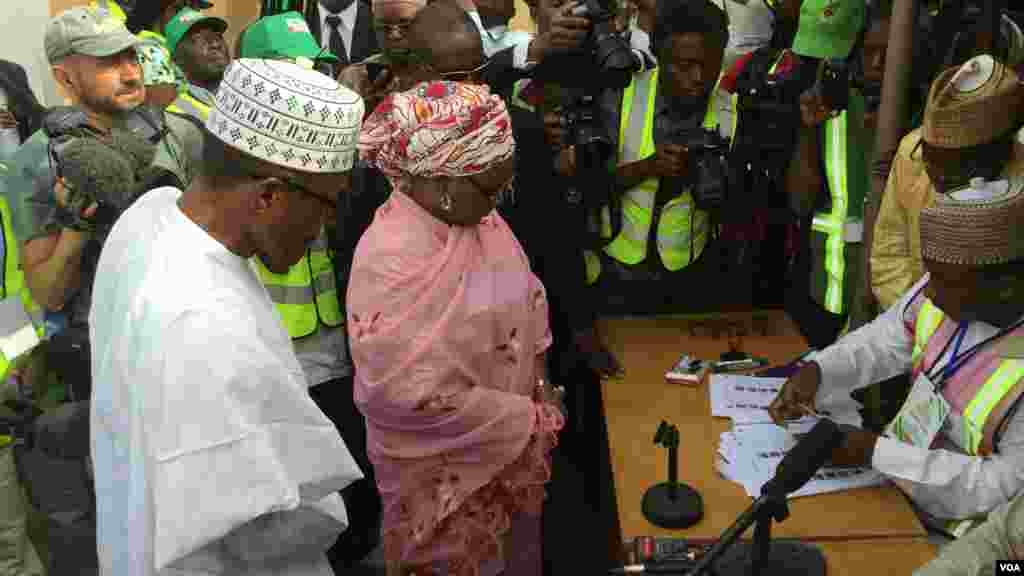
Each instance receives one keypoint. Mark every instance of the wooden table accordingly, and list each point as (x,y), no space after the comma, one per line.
(635,405)
(898,557)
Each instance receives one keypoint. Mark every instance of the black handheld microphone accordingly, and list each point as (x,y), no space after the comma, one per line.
(795,470)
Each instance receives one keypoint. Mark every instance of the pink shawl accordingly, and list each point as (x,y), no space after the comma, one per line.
(446,324)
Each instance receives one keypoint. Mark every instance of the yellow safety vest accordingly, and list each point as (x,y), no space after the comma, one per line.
(188,105)
(307,294)
(988,386)
(110,7)
(14,278)
(682,230)
(837,222)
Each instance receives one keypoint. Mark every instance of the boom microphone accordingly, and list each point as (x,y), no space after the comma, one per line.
(807,457)
(795,470)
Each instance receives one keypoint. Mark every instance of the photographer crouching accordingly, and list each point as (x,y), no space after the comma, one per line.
(669,156)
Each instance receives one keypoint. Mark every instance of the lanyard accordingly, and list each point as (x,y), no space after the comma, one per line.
(956,362)
(951,366)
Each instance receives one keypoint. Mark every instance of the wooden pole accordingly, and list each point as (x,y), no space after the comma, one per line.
(892,122)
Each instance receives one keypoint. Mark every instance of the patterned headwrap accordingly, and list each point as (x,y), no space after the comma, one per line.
(438,129)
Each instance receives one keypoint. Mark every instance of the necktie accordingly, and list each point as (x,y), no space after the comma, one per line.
(336,42)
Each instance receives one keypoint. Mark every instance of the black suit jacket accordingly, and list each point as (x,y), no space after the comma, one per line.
(364,40)
(23,103)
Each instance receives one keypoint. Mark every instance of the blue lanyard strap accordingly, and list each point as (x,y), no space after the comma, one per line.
(956,362)
(953,365)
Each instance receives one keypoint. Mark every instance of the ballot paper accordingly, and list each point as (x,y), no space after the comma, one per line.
(750,453)
(745,400)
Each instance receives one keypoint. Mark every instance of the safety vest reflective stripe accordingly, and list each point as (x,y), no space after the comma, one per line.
(282,294)
(832,224)
(13,280)
(987,395)
(928,320)
(187,105)
(1010,372)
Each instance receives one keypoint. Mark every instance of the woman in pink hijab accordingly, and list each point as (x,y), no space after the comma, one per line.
(448,330)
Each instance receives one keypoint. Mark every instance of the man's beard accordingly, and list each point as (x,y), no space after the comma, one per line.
(209,73)
(106,106)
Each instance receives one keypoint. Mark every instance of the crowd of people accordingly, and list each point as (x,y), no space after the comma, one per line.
(327,287)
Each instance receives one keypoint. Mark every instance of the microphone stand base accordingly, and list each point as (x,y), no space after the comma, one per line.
(785,558)
(686,510)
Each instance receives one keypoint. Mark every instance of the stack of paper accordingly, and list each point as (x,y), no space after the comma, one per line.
(750,452)
(745,400)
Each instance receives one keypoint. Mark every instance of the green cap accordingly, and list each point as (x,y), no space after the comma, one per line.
(828,28)
(282,36)
(82,30)
(184,21)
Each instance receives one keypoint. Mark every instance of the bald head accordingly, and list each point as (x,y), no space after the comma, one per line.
(445,35)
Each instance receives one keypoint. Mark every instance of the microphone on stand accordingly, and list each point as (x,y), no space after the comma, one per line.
(795,470)
(671,504)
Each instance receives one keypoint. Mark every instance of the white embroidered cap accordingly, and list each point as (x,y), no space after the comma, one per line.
(287,115)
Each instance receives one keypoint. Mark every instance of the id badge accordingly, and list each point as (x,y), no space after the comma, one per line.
(922,415)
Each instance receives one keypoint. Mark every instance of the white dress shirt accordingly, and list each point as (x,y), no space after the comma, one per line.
(945,482)
(498,38)
(346,28)
(210,456)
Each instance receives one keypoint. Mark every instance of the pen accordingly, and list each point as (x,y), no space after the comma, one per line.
(679,567)
(808,410)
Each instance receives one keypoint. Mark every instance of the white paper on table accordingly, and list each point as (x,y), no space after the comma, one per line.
(745,399)
(754,451)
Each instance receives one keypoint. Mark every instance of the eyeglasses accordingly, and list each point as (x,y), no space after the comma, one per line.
(400,29)
(297,186)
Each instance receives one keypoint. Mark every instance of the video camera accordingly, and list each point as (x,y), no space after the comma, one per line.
(604,61)
(709,170)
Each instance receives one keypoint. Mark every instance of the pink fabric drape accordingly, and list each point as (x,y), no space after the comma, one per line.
(446,324)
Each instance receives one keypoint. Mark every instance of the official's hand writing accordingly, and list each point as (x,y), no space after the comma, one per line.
(797,395)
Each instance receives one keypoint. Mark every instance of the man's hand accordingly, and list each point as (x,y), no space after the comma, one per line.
(8,121)
(596,355)
(857,448)
(669,160)
(813,110)
(796,398)
(62,194)
(567,32)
